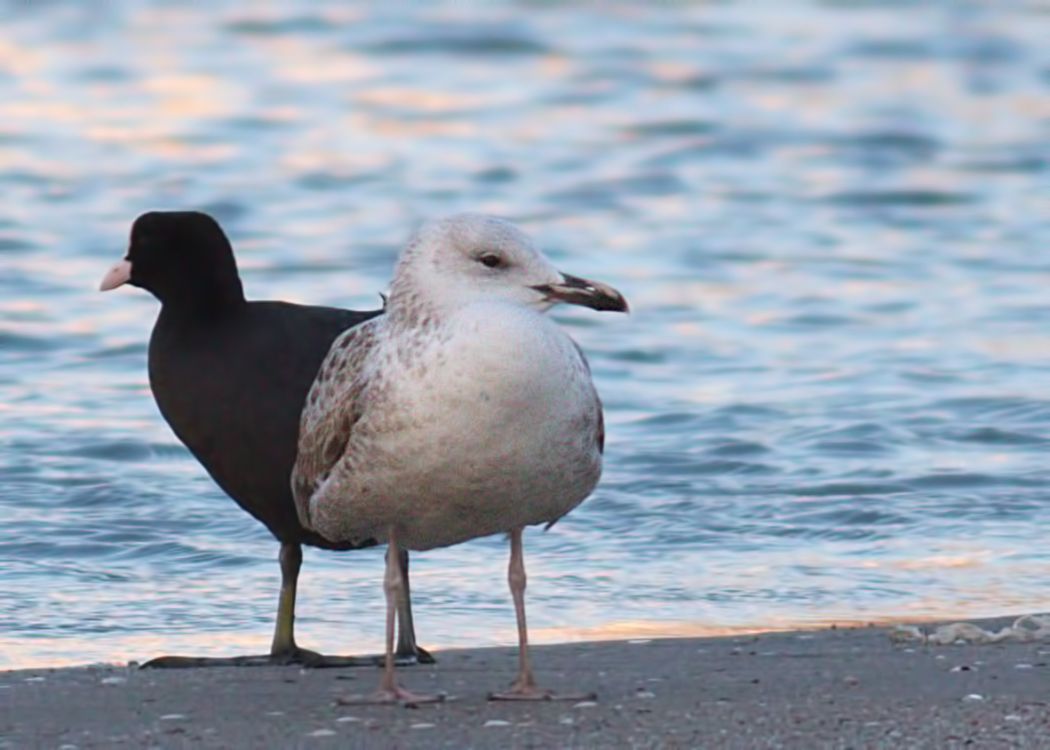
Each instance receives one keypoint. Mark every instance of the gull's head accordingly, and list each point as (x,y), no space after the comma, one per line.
(468,258)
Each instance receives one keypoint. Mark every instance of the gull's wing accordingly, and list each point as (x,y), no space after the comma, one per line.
(600,430)
(334,405)
(599,427)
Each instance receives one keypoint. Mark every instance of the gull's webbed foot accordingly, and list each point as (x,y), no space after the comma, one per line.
(527,690)
(391,696)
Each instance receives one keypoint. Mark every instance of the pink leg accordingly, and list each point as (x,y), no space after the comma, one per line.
(524,688)
(389,691)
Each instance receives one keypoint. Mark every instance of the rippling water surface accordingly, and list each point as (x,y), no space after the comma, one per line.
(832,400)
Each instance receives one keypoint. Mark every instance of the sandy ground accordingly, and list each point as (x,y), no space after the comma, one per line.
(838,688)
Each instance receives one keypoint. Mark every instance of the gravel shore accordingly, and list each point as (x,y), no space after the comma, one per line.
(835,688)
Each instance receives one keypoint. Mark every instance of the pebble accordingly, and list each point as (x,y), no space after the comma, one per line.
(973,698)
(322,733)
(345,719)
(172,717)
(496,723)
(1022,666)
(421,725)
(585,704)
(566,720)
(113,680)
(639,693)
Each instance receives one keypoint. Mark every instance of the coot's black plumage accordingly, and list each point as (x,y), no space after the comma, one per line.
(230,377)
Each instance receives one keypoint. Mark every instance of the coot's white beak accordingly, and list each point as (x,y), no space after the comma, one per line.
(119,275)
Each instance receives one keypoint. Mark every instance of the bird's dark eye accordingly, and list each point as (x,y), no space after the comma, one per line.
(491,260)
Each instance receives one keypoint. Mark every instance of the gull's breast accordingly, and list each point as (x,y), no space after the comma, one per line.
(497,429)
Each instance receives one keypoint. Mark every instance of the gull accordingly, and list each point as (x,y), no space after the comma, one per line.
(461,412)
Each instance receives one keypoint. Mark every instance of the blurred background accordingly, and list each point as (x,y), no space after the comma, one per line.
(832,399)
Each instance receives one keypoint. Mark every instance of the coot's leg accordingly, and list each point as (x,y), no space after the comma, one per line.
(408,651)
(283,649)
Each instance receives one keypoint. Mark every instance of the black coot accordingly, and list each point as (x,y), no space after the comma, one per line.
(230,377)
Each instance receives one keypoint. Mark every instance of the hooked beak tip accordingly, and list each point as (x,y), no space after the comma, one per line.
(574,290)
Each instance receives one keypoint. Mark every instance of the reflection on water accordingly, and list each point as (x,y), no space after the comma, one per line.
(829,404)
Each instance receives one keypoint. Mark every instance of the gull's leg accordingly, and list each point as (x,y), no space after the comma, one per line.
(408,651)
(524,688)
(283,649)
(389,691)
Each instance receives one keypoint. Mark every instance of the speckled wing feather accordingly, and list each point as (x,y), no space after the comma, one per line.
(332,408)
(600,430)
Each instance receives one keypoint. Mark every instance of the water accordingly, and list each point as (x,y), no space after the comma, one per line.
(830,403)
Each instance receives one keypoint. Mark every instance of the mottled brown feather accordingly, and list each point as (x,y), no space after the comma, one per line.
(600,436)
(601,429)
(325,432)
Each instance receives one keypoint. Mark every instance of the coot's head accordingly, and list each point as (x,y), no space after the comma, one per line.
(183,258)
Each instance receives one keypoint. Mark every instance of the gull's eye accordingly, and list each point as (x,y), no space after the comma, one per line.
(490,260)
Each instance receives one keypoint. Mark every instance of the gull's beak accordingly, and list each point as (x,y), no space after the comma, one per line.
(119,275)
(577,291)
